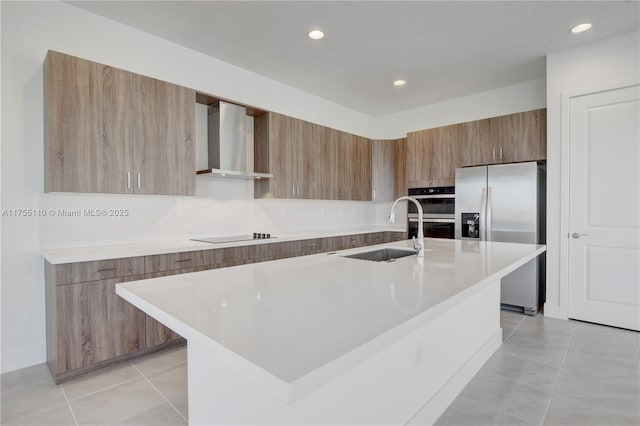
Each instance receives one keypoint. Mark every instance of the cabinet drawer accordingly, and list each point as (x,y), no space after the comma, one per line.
(175,272)
(172,261)
(94,270)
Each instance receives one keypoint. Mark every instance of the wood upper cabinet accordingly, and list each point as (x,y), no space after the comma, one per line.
(276,153)
(382,170)
(354,168)
(164,137)
(399,169)
(432,156)
(518,137)
(310,161)
(317,157)
(111,131)
(87,126)
(476,145)
(506,139)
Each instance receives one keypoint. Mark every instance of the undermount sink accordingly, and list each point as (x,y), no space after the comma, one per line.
(382,255)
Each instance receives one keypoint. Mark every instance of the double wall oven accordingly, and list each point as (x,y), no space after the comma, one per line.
(438,207)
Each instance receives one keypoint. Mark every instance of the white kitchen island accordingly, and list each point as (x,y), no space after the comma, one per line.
(325,339)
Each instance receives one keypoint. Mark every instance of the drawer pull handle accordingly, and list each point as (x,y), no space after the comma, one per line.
(183,260)
(312,245)
(104,270)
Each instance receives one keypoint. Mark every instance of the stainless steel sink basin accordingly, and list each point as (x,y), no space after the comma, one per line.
(382,255)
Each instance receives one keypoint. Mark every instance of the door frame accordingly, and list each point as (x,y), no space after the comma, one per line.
(565,207)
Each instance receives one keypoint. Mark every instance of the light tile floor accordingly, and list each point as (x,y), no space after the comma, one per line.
(548,371)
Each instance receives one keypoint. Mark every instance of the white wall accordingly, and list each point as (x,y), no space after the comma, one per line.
(610,63)
(29,29)
(492,103)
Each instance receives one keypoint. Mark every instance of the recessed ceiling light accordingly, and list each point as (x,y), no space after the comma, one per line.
(581,28)
(316,35)
(399,83)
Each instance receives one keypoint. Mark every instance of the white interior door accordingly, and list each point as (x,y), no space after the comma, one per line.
(604,218)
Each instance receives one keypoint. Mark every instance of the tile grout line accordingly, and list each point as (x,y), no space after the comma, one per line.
(514,328)
(161,394)
(555,385)
(107,387)
(75,419)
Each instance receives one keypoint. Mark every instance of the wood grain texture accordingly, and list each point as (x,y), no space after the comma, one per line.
(317,157)
(94,324)
(418,156)
(476,145)
(383,170)
(164,137)
(542,144)
(399,169)
(88,117)
(173,261)
(518,135)
(51,316)
(354,167)
(445,153)
(276,135)
(69,273)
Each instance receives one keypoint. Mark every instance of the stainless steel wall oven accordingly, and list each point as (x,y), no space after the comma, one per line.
(439,208)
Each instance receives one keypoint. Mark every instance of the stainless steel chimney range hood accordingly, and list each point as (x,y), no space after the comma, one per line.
(230,152)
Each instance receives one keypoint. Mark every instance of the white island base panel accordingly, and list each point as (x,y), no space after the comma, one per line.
(411,381)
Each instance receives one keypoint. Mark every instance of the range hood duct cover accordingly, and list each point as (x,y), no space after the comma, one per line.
(230,153)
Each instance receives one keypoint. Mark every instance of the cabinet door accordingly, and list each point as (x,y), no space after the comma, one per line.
(476,145)
(163,138)
(517,136)
(444,158)
(88,113)
(418,158)
(94,324)
(399,170)
(354,168)
(317,160)
(281,140)
(382,170)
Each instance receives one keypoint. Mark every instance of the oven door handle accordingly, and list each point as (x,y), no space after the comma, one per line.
(427,197)
(433,220)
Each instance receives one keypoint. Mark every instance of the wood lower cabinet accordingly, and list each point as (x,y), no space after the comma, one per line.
(93,326)
(107,130)
(90,327)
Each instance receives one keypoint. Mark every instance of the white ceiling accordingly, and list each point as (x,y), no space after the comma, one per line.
(443,49)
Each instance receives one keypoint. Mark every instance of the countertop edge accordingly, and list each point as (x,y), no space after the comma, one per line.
(56,256)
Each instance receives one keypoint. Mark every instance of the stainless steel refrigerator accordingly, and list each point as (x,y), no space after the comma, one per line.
(506,202)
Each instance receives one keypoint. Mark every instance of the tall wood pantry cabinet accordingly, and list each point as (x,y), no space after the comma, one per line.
(108,130)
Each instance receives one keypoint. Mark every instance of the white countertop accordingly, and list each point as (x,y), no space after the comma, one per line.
(84,254)
(294,324)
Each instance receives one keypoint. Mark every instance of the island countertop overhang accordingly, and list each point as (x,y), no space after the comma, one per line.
(294,324)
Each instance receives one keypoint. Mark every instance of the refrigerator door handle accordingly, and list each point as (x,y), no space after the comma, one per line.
(483,215)
(489,207)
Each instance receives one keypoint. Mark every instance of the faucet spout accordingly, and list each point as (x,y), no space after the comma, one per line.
(418,243)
